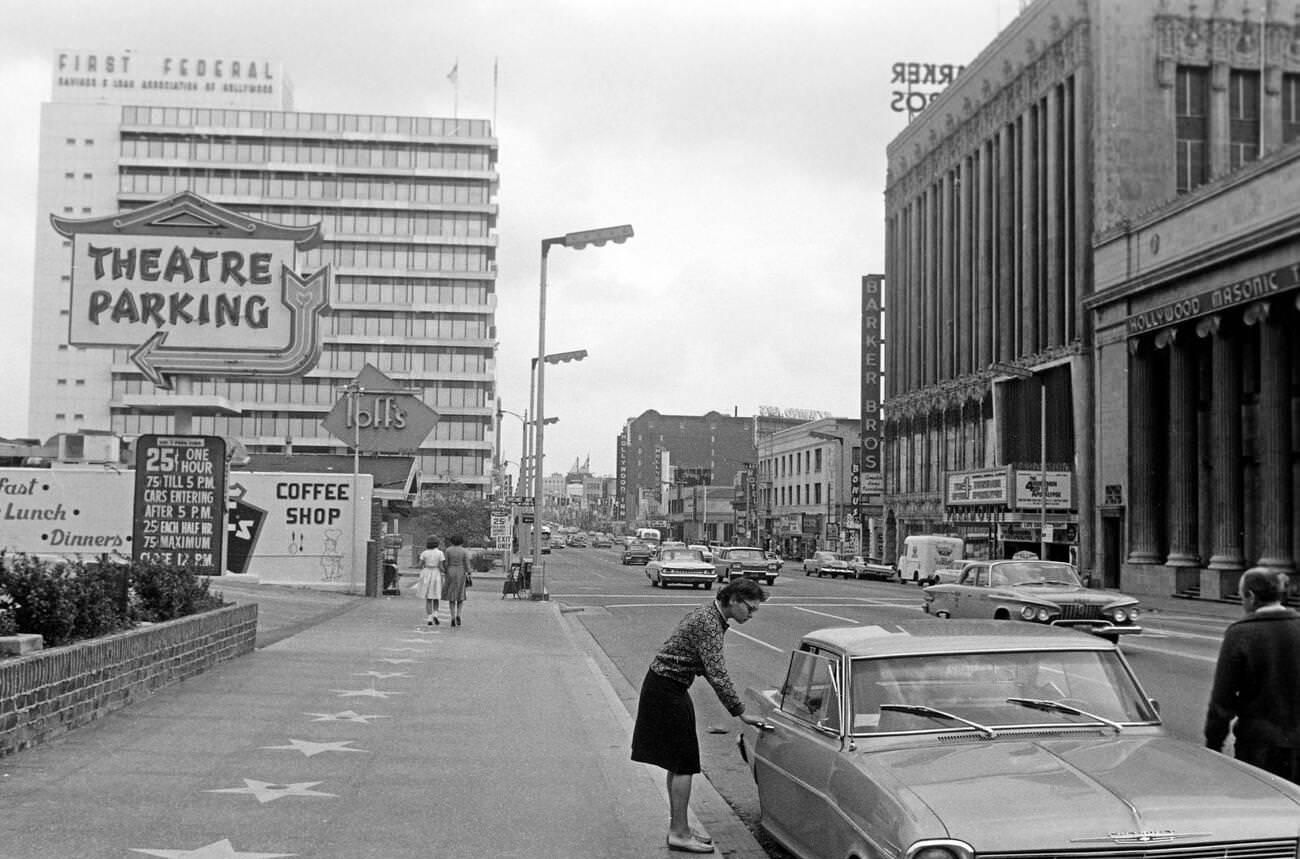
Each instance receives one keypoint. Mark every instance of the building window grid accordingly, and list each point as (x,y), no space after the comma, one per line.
(1191,127)
(1243,117)
(469,225)
(1290,108)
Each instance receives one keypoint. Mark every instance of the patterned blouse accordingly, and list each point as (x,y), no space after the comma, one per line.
(695,647)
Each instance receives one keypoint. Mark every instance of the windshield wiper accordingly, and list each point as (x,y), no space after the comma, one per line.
(1059,707)
(922,710)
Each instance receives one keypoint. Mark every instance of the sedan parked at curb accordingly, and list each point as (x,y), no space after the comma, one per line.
(985,739)
(733,562)
(679,566)
(1047,592)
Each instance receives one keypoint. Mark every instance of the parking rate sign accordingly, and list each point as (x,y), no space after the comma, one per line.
(180,501)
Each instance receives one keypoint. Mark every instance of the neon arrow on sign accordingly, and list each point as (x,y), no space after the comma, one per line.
(305,300)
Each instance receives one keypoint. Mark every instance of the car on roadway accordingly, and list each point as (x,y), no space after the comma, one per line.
(864,569)
(705,551)
(750,562)
(826,563)
(637,552)
(678,565)
(1040,592)
(973,739)
(601,542)
(577,541)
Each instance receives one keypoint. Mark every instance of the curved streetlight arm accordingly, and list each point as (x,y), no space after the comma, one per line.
(577,241)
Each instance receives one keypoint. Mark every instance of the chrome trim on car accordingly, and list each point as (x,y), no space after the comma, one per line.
(1273,849)
(960,849)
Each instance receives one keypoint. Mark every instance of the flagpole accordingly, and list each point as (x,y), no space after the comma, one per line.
(454,77)
(495,63)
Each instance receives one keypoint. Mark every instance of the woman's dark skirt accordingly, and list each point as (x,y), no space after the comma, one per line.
(665,726)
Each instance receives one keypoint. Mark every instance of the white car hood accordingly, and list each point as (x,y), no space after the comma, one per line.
(1074,793)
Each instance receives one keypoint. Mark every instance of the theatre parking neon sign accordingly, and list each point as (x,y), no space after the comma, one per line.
(194,288)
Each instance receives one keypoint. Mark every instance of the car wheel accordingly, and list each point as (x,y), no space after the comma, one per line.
(708,586)
(807,572)
(769,582)
(1112,637)
(942,614)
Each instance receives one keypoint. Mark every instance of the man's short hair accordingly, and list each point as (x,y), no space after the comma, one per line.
(743,590)
(1266,586)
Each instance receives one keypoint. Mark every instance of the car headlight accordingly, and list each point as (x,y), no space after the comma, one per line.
(940,849)
(1030,612)
(771,567)
(1120,615)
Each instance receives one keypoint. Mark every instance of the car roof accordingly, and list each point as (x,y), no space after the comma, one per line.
(947,636)
(740,549)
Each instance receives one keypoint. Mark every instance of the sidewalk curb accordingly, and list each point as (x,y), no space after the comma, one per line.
(708,808)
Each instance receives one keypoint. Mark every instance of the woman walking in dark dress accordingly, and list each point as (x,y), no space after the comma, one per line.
(454,578)
(665,718)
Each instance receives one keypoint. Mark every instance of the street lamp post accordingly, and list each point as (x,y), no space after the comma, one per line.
(577,241)
(1022,373)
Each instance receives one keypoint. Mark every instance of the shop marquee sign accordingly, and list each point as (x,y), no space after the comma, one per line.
(1260,286)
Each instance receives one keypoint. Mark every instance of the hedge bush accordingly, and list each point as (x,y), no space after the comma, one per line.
(64,601)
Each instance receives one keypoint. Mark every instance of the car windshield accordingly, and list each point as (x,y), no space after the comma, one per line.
(681,555)
(745,555)
(1033,573)
(983,688)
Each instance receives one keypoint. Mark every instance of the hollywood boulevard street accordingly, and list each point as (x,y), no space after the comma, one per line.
(628,619)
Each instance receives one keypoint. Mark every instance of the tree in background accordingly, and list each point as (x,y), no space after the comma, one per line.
(443,515)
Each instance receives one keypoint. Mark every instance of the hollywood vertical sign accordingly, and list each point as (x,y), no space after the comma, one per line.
(870,479)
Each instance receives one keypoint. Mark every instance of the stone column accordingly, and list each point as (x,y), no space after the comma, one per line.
(1182,471)
(1005,347)
(1143,543)
(1274,434)
(1225,428)
(1054,328)
(1030,303)
(946,281)
(987,237)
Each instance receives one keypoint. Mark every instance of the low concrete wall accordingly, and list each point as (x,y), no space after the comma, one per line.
(49,692)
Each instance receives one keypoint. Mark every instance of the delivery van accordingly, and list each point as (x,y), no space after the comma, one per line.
(923,554)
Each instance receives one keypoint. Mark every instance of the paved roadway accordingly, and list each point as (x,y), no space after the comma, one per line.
(1174,658)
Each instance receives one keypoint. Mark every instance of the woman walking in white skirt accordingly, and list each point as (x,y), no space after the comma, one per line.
(432,564)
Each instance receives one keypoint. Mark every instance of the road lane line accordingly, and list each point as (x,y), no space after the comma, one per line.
(827,614)
(1133,645)
(758,641)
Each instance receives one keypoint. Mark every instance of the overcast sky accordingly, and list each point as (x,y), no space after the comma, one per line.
(744,141)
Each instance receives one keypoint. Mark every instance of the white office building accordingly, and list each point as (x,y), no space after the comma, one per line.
(407,211)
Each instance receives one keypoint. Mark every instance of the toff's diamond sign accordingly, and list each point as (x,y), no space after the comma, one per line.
(377,415)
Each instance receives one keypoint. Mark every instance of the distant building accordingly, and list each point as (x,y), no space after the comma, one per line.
(657,450)
(407,209)
(805,475)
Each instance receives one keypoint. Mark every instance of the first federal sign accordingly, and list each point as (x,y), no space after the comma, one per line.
(195,288)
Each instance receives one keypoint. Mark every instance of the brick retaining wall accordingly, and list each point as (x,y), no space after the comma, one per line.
(49,692)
